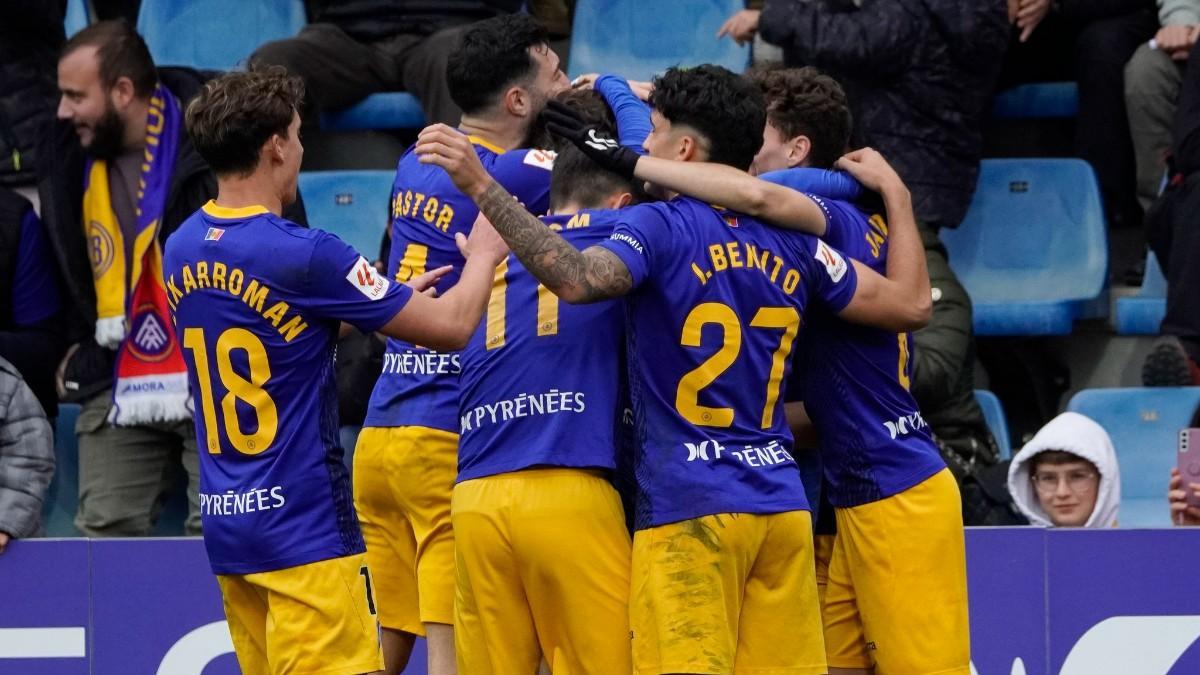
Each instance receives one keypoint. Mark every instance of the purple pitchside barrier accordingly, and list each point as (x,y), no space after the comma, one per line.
(1044,602)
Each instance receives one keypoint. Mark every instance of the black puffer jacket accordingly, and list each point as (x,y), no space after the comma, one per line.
(60,187)
(919,75)
(31,33)
(371,20)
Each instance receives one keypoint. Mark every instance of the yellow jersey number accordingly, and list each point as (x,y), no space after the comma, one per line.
(238,388)
(687,394)
(547,311)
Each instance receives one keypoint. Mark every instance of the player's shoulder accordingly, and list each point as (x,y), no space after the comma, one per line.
(522,161)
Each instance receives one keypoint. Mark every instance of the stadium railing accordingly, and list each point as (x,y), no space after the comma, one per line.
(1144,425)
(1032,250)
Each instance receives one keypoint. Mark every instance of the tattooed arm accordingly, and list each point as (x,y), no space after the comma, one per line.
(575,276)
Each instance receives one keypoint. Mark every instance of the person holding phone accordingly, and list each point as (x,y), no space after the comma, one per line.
(1185,499)
(1067,476)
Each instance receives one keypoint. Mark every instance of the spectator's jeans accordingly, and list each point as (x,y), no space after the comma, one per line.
(338,70)
(124,471)
(1152,83)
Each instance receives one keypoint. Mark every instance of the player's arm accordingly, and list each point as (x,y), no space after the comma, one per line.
(901,301)
(447,322)
(804,432)
(575,276)
(714,183)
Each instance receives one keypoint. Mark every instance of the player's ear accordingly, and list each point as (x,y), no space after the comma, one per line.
(618,200)
(687,148)
(517,101)
(798,150)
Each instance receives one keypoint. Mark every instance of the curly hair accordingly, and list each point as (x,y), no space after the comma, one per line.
(806,102)
(725,108)
(236,113)
(491,56)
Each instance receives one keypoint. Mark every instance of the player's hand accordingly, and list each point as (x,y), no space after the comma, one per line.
(1029,14)
(603,149)
(641,89)
(425,283)
(871,169)
(1181,512)
(741,26)
(585,81)
(4,538)
(450,149)
(484,240)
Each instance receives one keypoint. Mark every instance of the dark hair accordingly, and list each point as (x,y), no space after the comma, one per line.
(576,178)
(235,114)
(806,102)
(491,56)
(725,108)
(1054,457)
(121,53)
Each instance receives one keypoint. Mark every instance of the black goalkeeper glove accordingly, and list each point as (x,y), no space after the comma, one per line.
(601,148)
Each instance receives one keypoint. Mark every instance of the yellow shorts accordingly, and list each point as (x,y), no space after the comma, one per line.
(725,594)
(543,569)
(897,595)
(311,619)
(402,482)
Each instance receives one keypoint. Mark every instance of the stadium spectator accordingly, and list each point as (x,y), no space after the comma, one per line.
(1088,41)
(29,300)
(943,377)
(354,49)
(919,75)
(31,33)
(115,113)
(1067,475)
(26,458)
(1173,236)
(1153,78)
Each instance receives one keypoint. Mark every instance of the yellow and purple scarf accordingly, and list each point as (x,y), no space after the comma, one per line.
(131,306)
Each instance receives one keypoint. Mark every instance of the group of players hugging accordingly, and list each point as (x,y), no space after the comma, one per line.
(579,455)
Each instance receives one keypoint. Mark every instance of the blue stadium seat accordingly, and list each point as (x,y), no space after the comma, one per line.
(993,412)
(351,204)
(1032,250)
(390,110)
(62,498)
(77,17)
(1037,101)
(1142,314)
(1144,424)
(637,39)
(215,34)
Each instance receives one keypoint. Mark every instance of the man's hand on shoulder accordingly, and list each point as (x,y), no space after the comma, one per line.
(450,149)
(872,170)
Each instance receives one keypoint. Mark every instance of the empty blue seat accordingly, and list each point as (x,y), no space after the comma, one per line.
(637,39)
(390,110)
(215,34)
(62,497)
(993,413)
(77,17)
(1032,250)
(351,204)
(1039,100)
(1144,424)
(1142,314)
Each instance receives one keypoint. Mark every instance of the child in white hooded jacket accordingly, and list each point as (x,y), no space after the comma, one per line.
(1067,475)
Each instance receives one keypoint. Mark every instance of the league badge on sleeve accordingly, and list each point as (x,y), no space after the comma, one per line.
(214,234)
(835,264)
(367,280)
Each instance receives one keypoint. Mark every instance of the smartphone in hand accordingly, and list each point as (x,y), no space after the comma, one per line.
(1189,462)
